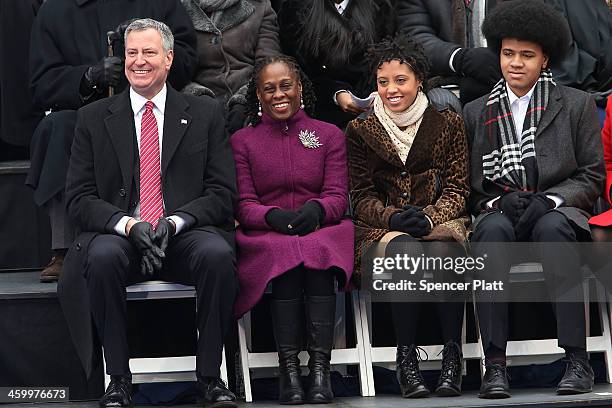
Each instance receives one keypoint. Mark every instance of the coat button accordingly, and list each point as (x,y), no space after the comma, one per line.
(122,192)
(404,195)
(404,174)
(78,246)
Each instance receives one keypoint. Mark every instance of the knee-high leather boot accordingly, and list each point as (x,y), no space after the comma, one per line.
(320,317)
(287,321)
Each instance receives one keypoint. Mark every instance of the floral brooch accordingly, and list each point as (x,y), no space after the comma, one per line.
(309,139)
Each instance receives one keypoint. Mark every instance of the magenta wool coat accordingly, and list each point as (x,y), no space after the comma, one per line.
(275,170)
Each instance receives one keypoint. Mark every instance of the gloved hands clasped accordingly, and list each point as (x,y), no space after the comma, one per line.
(151,243)
(301,222)
(480,63)
(536,205)
(412,221)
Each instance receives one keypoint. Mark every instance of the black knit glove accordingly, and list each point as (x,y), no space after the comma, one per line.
(538,205)
(411,221)
(141,237)
(308,219)
(107,72)
(279,220)
(512,206)
(480,63)
(163,232)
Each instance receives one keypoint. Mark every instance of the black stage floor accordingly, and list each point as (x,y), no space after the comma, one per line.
(19,290)
(600,397)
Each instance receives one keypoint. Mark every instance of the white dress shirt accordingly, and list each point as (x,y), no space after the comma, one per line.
(341,7)
(138,103)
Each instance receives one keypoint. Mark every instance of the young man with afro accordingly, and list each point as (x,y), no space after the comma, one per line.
(536,171)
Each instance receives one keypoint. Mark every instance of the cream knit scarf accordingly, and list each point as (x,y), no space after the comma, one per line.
(410,119)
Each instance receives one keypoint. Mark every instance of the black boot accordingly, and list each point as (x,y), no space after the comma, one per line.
(287,320)
(578,377)
(409,376)
(118,393)
(320,317)
(449,383)
(495,382)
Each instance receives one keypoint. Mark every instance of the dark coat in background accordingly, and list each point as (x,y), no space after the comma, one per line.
(568,149)
(18,119)
(198,183)
(440,25)
(353,75)
(227,53)
(69,36)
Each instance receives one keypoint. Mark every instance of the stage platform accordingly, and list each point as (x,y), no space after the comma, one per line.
(600,397)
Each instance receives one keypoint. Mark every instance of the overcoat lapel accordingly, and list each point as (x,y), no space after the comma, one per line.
(120,128)
(176,122)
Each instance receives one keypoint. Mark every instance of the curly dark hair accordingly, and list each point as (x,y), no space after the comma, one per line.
(308,94)
(528,20)
(403,49)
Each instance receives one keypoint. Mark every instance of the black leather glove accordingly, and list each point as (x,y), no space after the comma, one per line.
(141,237)
(308,219)
(538,205)
(164,230)
(512,206)
(236,118)
(480,63)
(411,221)
(195,89)
(279,220)
(107,72)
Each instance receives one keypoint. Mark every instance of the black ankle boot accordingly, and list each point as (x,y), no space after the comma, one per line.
(287,320)
(409,376)
(320,317)
(449,383)
(578,377)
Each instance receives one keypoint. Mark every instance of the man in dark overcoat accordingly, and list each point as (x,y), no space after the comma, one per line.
(536,170)
(151,184)
(70,67)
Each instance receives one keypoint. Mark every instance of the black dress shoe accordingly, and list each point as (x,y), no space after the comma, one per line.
(412,384)
(578,377)
(118,393)
(216,394)
(495,383)
(449,383)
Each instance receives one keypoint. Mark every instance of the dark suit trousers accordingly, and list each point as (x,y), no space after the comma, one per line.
(561,265)
(200,258)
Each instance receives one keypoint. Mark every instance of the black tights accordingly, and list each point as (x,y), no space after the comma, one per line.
(450,311)
(298,281)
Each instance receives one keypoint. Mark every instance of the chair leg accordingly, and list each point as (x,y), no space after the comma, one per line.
(364,304)
(244,360)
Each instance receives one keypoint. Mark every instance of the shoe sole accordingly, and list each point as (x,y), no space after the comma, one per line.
(500,394)
(417,394)
(572,391)
(52,279)
(222,404)
(447,392)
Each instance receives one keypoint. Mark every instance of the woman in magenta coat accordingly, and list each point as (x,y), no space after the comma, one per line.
(293,195)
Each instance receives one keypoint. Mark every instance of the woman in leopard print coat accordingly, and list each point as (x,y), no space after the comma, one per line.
(408,168)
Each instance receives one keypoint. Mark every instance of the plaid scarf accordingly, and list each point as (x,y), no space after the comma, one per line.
(511,164)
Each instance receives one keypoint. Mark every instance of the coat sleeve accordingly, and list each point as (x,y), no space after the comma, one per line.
(216,204)
(606,137)
(85,207)
(53,83)
(415,19)
(455,187)
(185,42)
(268,42)
(587,182)
(334,194)
(368,206)
(251,213)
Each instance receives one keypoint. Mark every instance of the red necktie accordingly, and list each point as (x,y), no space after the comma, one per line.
(151,203)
